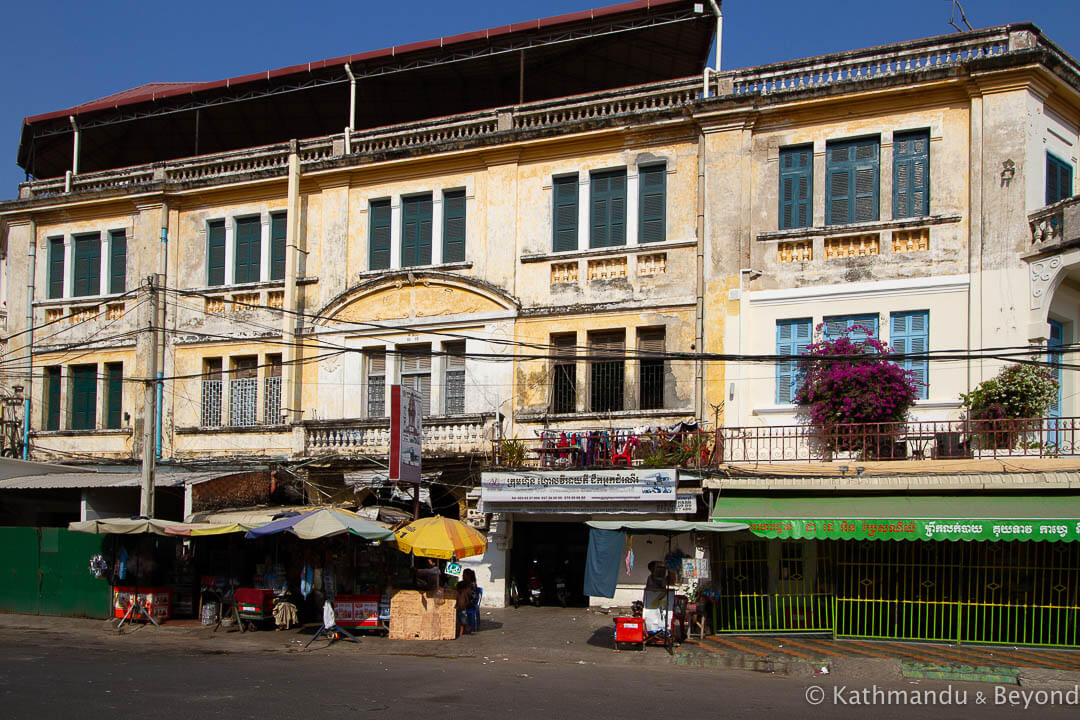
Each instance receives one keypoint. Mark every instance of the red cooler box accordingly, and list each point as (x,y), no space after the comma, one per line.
(629,630)
(254,603)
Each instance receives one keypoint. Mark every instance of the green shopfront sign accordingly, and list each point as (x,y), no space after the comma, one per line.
(906,529)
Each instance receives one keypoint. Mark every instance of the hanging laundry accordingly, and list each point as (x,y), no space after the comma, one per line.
(629,556)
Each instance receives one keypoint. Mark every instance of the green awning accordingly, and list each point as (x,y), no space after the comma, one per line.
(1050,518)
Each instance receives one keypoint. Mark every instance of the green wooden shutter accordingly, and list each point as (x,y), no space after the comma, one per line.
(1059,180)
(796,187)
(792,338)
(83,397)
(416,231)
(114,398)
(52,398)
(117,261)
(248,254)
(379,255)
(454,226)
(278,226)
(566,213)
(56,268)
(909,333)
(911,174)
(215,253)
(607,214)
(851,190)
(652,204)
(87,265)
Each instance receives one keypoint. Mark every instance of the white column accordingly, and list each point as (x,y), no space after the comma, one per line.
(438,364)
(632,205)
(106,253)
(395,248)
(583,229)
(69,266)
(264,248)
(230,252)
(436,230)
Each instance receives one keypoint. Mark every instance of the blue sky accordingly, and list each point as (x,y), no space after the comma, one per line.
(62,54)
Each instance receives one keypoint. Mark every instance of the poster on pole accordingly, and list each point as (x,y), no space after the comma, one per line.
(406,433)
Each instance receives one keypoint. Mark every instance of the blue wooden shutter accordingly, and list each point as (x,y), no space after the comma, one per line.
(607,215)
(87,265)
(796,187)
(117,261)
(1057,340)
(83,397)
(114,397)
(652,202)
(278,227)
(566,213)
(56,268)
(248,256)
(1059,180)
(838,325)
(416,231)
(911,174)
(52,398)
(910,334)
(380,235)
(215,253)
(792,338)
(454,226)
(851,181)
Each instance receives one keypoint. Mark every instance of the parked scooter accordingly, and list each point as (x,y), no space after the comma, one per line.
(561,593)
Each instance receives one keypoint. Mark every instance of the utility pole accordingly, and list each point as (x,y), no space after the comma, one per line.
(146,496)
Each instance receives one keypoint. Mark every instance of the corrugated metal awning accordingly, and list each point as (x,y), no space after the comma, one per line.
(79,479)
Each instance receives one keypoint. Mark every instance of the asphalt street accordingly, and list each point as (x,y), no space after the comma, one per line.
(47,678)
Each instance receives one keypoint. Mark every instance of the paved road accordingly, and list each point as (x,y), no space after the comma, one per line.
(42,678)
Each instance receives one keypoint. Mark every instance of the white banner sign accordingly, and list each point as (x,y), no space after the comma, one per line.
(574,486)
(406,433)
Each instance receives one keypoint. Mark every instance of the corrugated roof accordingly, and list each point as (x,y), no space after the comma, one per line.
(89,479)
(10,467)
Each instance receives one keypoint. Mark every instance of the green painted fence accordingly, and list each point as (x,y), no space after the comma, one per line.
(46,571)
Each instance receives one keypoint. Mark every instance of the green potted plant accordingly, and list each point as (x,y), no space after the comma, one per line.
(1004,409)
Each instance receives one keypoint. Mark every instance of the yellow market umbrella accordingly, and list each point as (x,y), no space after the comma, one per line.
(441,538)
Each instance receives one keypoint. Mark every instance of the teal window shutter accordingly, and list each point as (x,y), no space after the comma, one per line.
(911,174)
(114,395)
(454,226)
(652,204)
(1059,179)
(566,213)
(83,397)
(796,187)
(909,333)
(215,253)
(792,338)
(56,268)
(379,254)
(851,182)
(117,261)
(277,246)
(416,231)
(87,265)
(607,214)
(248,255)
(52,398)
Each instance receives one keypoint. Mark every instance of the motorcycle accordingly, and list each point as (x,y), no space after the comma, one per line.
(561,593)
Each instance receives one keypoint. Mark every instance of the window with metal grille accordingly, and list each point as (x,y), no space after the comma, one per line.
(117,261)
(453,226)
(56,268)
(911,174)
(416,371)
(652,203)
(796,186)
(851,177)
(211,393)
(1059,179)
(87,265)
(248,250)
(83,397)
(565,222)
(272,391)
(909,333)
(564,374)
(52,397)
(454,387)
(651,368)
(606,370)
(215,252)
(243,391)
(278,229)
(376,382)
(416,230)
(114,395)
(607,208)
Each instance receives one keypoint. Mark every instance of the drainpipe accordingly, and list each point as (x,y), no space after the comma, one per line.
(715,6)
(352,109)
(32,263)
(288,317)
(160,320)
(75,146)
(699,312)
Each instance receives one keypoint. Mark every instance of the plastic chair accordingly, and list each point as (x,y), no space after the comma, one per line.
(472,613)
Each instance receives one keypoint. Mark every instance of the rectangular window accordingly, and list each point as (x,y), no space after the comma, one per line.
(416,372)
(272,391)
(215,253)
(83,397)
(909,332)
(248,247)
(911,174)
(243,391)
(564,374)
(652,204)
(851,182)
(278,228)
(376,382)
(606,370)
(416,231)
(114,395)
(565,221)
(607,208)
(379,240)
(453,226)
(837,325)
(56,268)
(87,265)
(117,261)
(792,338)
(52,398)
(211,392)
(1059,179)
(652,368)
(796,187)
(454,387)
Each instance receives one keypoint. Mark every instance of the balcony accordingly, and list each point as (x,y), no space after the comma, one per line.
(594,449)
(1055,227)
(444,436)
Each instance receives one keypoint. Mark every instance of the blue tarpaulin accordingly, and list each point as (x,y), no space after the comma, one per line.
(602,562)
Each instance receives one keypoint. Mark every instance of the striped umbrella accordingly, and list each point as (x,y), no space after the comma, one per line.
(441,538)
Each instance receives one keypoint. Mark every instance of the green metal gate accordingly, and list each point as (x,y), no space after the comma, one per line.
(46,571)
